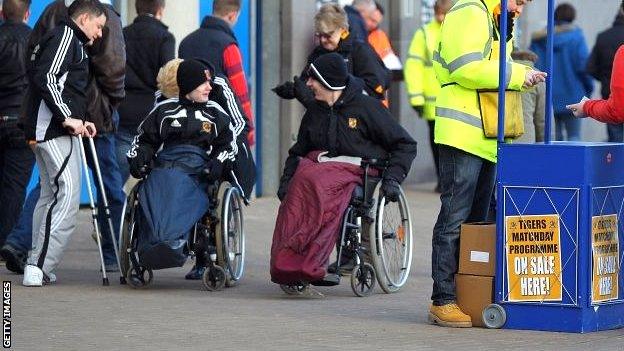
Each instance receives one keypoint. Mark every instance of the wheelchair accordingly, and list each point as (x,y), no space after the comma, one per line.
(219,237)
(377,233)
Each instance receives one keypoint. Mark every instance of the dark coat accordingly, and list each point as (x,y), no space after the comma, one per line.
(107,63)
(13,81)
(600,62)
(357,27)
(149,46)
(362,62)
(208,42)
(357,125)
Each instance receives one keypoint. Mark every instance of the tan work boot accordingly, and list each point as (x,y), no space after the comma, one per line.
(449,315)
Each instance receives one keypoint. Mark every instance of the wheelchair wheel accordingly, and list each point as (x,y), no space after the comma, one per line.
(139,277)
(363,279)
(214,278)
(127,230)
(230,233)
(391,242)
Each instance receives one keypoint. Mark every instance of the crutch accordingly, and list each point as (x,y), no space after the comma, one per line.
(96,162)
(93,211)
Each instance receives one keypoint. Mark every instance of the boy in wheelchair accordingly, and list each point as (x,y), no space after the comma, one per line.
(340,130)
(242,170)
(184,144)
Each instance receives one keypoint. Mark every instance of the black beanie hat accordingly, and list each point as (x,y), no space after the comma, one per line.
(191,74)
(330,70)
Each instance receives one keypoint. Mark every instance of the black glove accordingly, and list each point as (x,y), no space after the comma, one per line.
(420,110)
(139,169)
(391,190)
(214,170)
(286,90)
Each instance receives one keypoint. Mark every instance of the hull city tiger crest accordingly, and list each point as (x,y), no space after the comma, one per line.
(206,127)
(353,122)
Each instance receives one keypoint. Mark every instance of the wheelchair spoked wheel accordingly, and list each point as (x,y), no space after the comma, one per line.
(295,290)
(230,234)
(391,242)
(214,278)
(127,230)
(139,277)
(363,279)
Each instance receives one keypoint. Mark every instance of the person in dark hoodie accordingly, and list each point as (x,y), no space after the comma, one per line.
(16,158)
(216,43)
(105,89)
(569,77)
(340,122)
(600,65)
(149,45)
(333,32)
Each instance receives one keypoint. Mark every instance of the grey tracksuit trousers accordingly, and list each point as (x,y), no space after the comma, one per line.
(56,212)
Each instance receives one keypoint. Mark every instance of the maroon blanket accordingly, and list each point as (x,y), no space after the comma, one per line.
(309,219)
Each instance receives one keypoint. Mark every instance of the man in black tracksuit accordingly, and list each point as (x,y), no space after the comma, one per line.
(16,159)
(149,46)
(600,63)
(55,109)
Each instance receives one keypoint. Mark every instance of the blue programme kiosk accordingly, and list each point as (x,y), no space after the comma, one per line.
(559,211)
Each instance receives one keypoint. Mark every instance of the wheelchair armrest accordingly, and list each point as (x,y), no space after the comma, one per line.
(374,162)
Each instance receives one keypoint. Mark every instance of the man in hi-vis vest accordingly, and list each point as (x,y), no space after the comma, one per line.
(420,79)
(467,60)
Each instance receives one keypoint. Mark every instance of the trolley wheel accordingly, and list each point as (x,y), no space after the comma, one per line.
(390,238)
(230,233)
(296,289)
(214,278)
(139,277)
(363,279)
(494,316)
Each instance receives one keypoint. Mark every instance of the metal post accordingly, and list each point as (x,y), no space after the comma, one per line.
(549,70)
(502,71)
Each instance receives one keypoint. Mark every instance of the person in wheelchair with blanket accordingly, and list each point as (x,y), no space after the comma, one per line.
(338,131)
(183,144)
(242,173)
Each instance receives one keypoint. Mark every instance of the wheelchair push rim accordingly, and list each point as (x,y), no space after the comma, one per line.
(230,234)
(127,231)
(392,238)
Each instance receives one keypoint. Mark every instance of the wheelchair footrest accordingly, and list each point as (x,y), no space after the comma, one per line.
(329,280)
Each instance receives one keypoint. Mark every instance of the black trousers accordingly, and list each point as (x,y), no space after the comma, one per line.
(16,164)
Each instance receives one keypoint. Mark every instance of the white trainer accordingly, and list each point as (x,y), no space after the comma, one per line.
(33,276)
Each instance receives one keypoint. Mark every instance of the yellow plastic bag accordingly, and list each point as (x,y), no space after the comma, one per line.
(514,121)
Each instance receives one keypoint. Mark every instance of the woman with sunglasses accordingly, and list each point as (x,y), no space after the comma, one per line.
(332,31)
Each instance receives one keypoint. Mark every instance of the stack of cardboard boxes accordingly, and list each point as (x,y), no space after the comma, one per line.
(477,266)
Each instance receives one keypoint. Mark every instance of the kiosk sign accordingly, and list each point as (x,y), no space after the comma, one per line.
(605,257)
(533,249)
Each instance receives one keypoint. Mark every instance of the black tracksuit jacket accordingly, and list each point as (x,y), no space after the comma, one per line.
(58,73)
(356,125)
(176,122)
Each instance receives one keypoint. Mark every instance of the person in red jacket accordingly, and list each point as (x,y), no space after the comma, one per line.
(612,109)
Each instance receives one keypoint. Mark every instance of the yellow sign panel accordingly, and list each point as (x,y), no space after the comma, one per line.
(605,254)
(533,249)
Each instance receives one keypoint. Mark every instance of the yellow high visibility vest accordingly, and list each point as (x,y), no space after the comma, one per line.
(467,60)
(420,79)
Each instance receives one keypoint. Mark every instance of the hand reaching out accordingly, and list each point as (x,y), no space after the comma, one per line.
(533,77)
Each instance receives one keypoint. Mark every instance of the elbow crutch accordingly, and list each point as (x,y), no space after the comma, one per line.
(85,169)
(98,173)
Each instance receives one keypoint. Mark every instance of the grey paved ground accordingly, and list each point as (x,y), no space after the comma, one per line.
(174,314)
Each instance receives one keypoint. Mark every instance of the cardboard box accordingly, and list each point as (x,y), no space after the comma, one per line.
(477,249)
(474,293)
